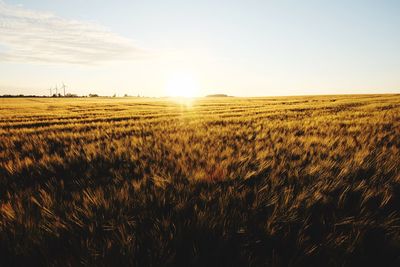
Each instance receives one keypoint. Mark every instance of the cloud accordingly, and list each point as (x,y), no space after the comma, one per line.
(32,36)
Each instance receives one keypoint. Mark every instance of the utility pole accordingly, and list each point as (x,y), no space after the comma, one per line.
(51,91)
(56,90)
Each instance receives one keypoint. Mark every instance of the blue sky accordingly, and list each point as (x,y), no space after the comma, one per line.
(244,48)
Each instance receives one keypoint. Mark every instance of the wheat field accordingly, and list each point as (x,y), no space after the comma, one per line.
(277,181)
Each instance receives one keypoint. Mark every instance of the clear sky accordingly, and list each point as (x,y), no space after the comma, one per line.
(241,48)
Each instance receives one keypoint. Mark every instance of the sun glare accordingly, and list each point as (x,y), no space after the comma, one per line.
(182,84)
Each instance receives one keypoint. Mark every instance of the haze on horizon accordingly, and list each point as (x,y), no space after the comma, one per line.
(182,48)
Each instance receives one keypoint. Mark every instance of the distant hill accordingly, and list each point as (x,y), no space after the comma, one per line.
(217,95)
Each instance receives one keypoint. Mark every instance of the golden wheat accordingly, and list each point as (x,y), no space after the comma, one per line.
(214,181)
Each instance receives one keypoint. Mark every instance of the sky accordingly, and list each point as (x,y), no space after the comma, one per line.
(195,48)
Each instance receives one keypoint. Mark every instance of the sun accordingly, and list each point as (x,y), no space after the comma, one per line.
(182,84)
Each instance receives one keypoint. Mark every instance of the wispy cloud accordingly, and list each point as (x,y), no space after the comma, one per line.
(33,36)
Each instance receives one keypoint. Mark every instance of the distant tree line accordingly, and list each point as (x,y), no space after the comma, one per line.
(68,95)
(39,96)
(21,95)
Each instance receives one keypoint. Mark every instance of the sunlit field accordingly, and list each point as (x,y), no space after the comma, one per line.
(278,181)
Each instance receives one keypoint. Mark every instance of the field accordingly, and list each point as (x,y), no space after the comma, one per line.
(284,181)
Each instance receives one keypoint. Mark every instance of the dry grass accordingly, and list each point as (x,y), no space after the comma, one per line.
(297,181)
